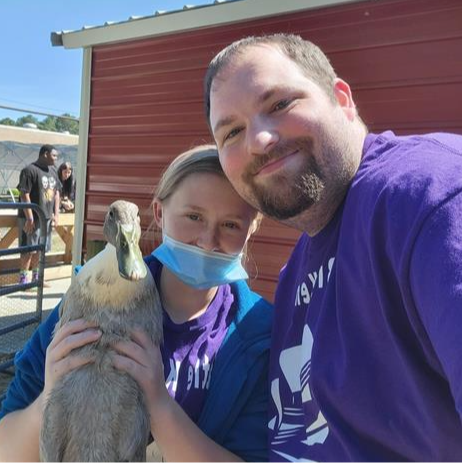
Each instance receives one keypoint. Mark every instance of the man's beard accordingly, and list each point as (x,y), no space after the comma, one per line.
(283,198)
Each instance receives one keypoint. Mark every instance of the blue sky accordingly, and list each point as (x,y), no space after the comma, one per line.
(38,76)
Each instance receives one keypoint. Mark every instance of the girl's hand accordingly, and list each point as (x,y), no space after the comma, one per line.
(142,360)
(58,362)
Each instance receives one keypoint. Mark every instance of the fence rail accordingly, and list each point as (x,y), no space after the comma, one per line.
(19,314)
(63,258)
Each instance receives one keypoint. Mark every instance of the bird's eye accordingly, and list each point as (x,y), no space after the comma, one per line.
(111,214)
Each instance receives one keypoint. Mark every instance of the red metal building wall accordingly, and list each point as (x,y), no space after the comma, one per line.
(403,59)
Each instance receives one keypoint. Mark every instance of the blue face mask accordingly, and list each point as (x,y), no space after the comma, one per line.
(198,268)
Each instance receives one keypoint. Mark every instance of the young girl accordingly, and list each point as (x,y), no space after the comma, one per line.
(68,187)
(212,405)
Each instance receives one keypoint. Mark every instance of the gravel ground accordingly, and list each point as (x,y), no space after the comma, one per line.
(5,376)
(5,379)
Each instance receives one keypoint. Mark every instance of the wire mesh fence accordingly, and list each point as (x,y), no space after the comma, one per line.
(20,302)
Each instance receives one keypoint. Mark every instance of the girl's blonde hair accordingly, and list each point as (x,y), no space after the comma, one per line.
(203,158)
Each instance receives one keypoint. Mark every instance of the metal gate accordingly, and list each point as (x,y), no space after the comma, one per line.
(20,304)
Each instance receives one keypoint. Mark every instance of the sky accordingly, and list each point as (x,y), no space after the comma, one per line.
(38,76)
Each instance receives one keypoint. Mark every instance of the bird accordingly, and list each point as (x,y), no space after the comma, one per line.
(95,412)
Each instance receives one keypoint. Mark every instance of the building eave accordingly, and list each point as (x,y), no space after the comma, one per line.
(202,16)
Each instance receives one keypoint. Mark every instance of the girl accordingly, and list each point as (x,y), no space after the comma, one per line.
(66,178)
(212,405)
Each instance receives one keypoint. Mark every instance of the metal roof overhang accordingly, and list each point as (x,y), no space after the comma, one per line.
(183,20)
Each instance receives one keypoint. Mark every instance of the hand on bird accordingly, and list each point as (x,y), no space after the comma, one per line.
(58,362)
(142,359)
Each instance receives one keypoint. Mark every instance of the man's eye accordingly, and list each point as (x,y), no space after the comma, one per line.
(232,134)
(281,105)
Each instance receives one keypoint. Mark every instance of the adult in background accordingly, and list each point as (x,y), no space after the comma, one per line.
(39,184)
(66,177)
(366,353)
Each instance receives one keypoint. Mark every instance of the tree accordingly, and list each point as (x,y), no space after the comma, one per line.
(7,121)
(50,123)
(29,119)
(63,125)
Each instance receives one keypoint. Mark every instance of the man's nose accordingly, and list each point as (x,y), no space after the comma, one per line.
(261,137)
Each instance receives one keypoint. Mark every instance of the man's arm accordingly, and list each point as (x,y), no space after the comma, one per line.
(29,226)
(436,285)
(56,211)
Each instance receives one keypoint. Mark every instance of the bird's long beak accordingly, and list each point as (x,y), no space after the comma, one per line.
(131,264)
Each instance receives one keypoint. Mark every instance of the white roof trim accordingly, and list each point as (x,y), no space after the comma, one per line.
(183,20)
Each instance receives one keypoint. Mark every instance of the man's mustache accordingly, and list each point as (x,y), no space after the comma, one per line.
(279,151)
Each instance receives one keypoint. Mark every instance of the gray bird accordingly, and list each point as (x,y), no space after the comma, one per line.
(97,413)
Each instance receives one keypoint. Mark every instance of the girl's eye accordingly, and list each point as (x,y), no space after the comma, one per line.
(281,105)
(231,225)
(194,217)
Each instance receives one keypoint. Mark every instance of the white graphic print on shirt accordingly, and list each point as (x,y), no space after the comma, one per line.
(295,368)
(199,375)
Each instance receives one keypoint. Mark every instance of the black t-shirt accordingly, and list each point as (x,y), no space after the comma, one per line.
(41,182)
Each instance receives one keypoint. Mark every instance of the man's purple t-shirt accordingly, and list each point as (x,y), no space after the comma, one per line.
(189,349)
(366,358)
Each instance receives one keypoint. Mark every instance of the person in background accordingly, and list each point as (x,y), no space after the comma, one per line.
(207,386)
(366,351)
(66,177)
(39,184)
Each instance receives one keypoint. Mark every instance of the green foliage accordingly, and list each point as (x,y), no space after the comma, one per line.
(15,192)
(7,121)
(50,123)
(29,119)
(66,124)
(5,195)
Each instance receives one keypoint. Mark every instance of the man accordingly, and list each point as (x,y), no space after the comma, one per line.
(366,359)
(39,184)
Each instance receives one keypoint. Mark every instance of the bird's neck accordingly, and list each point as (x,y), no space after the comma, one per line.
(102,282)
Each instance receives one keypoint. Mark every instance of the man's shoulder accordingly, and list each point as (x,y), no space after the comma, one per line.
(53,170)
(30,168)
(397,153)
(401,182)
(418,166)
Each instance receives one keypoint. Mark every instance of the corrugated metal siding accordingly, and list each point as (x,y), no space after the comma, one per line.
(403,59)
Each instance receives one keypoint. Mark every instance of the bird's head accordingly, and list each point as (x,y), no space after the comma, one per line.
(122,229)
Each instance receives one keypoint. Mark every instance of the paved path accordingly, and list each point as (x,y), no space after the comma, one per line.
(19,305)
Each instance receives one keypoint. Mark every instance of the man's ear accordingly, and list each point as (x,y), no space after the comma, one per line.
(342,93)
(157,212)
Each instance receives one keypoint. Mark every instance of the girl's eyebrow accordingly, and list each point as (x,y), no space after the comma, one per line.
(202,209)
